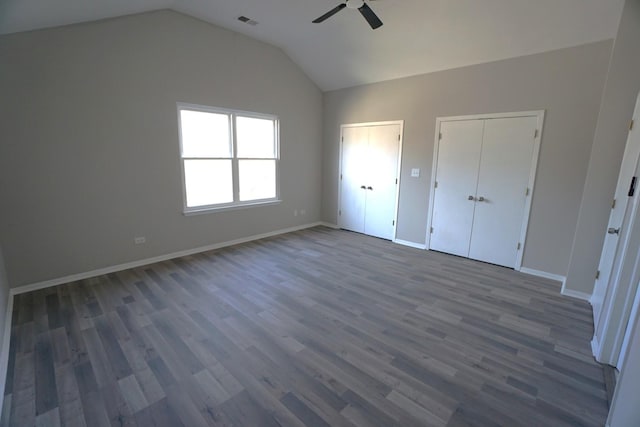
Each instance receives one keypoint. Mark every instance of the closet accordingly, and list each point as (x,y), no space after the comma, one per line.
(482,185)
(369,178)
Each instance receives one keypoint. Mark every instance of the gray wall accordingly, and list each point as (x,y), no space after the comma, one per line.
(616,110)
(89,153)
(567,83)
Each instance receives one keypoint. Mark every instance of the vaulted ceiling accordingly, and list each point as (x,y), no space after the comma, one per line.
(418,36)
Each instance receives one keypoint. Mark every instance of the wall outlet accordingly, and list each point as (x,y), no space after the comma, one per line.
(303,212)
(139,240)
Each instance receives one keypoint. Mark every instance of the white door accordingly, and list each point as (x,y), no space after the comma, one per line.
(505,165)
(620,260)
(382,182)
(455,186)
(369,179)
(618,212)
(355,141)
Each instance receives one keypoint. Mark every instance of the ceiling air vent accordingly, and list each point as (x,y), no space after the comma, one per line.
(247,20)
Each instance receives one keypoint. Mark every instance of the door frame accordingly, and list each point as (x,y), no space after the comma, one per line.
(398,172)
(539,114)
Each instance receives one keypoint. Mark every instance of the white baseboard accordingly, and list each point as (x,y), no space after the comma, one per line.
(410,244)
(595,347)
(544,274)
(330,225)
(115,268)
(564,291)
(575,294)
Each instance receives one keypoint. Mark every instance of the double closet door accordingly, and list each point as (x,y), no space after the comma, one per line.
(369,179)
(481,187)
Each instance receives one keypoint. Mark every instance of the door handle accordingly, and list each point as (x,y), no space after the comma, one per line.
(612,230)
(481,199)
(471,198)
(363,187)
(369,188)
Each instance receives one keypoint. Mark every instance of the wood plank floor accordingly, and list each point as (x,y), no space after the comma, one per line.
(315,328)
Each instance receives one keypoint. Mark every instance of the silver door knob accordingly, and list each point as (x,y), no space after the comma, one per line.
(470,198)
(613,230)
(481,199)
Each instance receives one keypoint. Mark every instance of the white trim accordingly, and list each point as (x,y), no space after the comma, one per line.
(539,114)
(6,339)
(595,347)
(115,268)
(329,224)
(242,205)
(486,116)
(410,244)
(574,294)
(541,273)
(400,123)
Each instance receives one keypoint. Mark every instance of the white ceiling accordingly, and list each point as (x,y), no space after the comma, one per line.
(418,36)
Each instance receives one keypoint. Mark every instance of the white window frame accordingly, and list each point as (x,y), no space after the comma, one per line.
(236,204)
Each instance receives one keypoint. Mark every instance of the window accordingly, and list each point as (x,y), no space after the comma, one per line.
(229,158)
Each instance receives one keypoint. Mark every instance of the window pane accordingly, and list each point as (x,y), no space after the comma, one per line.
(257,179)
(256,137)
(208,182)
(204,134)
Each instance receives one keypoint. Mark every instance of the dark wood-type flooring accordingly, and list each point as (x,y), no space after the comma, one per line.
(314,328)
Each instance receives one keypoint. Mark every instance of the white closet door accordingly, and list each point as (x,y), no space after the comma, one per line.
(354,176)
(382,170)
(456,177)
(505,164)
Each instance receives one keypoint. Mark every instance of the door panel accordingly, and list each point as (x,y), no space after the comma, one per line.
(505,164)
(456,177)
(616,219)
(620,260)
(354,176)
(381,182)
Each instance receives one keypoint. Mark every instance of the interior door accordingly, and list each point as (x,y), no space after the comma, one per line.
(353,170)
(620,258)
(505,165)
(455,187)
(618,212)
(382,175)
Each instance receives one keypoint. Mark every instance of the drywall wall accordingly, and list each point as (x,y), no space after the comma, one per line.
(621,91)
(567,83)
(89,153)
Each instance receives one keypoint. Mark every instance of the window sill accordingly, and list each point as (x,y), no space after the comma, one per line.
(207,210)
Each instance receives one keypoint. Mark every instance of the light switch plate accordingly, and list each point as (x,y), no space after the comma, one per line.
(415,172)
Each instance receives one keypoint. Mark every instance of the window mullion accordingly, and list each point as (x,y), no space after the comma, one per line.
(234,160)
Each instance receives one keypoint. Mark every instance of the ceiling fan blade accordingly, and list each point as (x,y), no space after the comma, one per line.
(370,16)
(329,14)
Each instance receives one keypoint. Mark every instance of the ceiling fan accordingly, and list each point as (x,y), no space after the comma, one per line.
(364,9)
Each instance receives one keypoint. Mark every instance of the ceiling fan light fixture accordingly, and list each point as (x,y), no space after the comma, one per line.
(355,4)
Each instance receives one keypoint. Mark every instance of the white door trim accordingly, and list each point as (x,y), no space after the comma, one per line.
(539,114)
(400,123)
